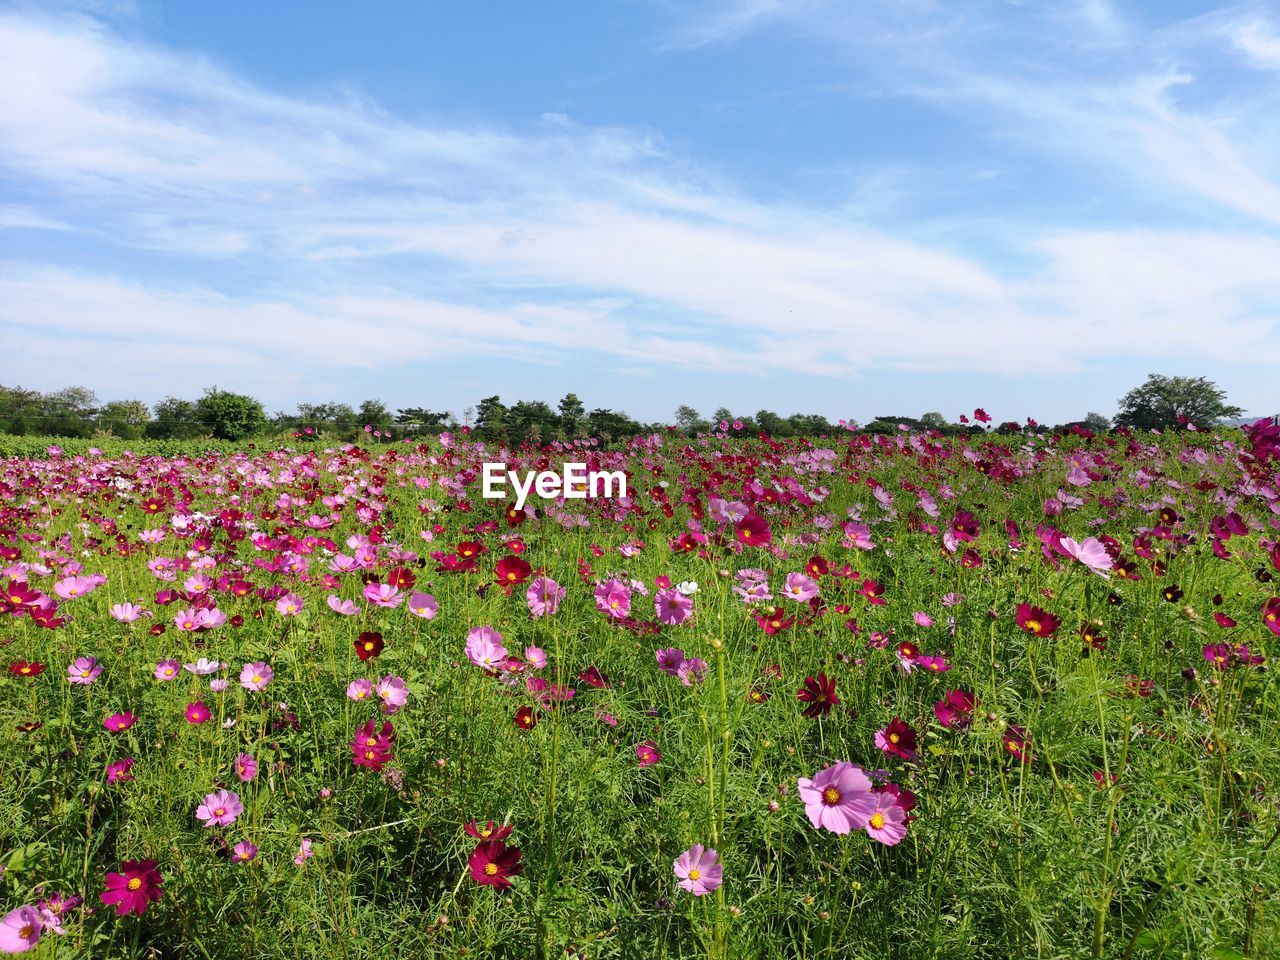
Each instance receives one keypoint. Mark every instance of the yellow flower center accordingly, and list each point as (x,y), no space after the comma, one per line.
(26,932)
(490,869)
(220,811)
(135,883)
(695,874)
(1033,626)
(831,796)
(894,738)
(877,821)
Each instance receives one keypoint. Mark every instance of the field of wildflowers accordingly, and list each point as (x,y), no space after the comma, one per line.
(972,697)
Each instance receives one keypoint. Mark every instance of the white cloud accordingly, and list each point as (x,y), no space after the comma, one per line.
(1257,39)
(408,243)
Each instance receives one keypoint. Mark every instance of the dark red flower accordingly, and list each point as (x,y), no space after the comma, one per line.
(525,718)
(21,668)
(368,645)
(819,694)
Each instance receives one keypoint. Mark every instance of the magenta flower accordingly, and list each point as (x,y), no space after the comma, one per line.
(838,798)
(84,670)
(220,809)
(359,690)
(670,659)
(698,871)
(672,607)
(118,770)
(647,753)
(197,713)
(955,709)
(613,598)
(120,721)
(246,767)
(255,676)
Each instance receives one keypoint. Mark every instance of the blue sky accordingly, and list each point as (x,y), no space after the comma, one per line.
(882,207)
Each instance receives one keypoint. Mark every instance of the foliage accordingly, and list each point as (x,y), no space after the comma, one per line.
(1164,402)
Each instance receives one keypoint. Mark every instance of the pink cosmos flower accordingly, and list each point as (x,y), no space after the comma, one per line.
(289,605)
(672,607)
(255,676)
(69,588)
(955,709)
(20,930)
(305,852)
(246,767)
(536,656)
(167,669)
(698,870)
(220,809)
(118,770)
(383,595)
(543,597)
(393,694)
(888,821)
(359,690)
(670,659)
(84,670)
(799,588)
(613,598)
(127,612)
(244,851)
(484,647)
(1091,553)
(838,798)
(423,605)
(346,608)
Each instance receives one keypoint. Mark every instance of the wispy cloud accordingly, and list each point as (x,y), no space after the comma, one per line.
(362,238)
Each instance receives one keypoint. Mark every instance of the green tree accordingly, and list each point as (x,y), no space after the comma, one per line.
(571,413)
(491,418)
(770,423)
(175,419)
(20,410)
(374,413)
(230,416)
(721,414)
(688,419)
(1163,402)
(126,419)
(1096,422)
(933,421)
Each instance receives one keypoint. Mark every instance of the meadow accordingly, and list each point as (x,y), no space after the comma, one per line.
(990,696)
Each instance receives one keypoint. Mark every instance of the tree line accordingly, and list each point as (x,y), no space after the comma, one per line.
(1160,403)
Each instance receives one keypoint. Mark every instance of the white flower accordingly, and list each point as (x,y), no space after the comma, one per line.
(688,587)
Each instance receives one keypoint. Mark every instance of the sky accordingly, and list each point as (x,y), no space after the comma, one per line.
(867,208)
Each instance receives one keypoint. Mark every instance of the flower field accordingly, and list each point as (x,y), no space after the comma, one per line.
(989,696)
